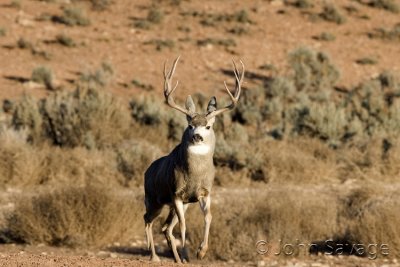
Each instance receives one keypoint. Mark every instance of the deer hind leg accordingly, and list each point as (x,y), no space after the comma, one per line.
(151,214)
(168,228)
(205,204)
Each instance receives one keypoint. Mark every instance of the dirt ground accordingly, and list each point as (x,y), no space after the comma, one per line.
(274,31)
(44,256)
(19,256)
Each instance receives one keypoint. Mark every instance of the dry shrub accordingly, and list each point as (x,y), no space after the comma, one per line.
(80,166)
(85,117)
(27,115)
(75,216)
(24,165)
(240,219)
(369,212)
(376,223)
(20,163)
(300,161)
(133,158)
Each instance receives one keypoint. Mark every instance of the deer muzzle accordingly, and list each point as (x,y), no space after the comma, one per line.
(197,138)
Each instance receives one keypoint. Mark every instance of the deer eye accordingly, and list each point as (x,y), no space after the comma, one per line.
(208,127)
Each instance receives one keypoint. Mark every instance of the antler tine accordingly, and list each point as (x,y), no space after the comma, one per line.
(235,96)
(168,90)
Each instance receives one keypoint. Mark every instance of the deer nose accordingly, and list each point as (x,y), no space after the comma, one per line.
(197,138)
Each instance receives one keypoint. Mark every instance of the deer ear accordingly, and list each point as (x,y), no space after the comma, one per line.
(212,105)
(190,104)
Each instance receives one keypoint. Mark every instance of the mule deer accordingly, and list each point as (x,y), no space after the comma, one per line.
(185,175)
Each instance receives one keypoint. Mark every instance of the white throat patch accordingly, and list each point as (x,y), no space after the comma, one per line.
(199,149)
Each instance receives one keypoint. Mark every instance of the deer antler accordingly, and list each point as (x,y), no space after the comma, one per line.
(168,90)
(235,97)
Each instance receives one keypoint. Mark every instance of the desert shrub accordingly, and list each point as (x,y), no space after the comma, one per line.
(73,16)
(79,166)
(155,15)
(100,5)
(325,36)
(26,115)
(313,71)
(43,75)
(389,5)
(303,3)
(240,220)
(16,4)
(144,86)
(325,121)
(148,110)
(288,161)
(161,44)
(229,153)
(74,216)
(22,43)
(20,163)
(99,77)
(85,117)
(248,111)
(207,19)
(331,13)
(65,40)
(366,61)
(367,212)
(133,158)
(386,34)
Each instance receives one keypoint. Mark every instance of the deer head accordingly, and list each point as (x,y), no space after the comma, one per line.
(200,125)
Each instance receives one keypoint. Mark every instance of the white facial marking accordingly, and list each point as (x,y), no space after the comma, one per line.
(199,149)
(202,131)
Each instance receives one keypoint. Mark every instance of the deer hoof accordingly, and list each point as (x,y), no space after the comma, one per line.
(154,258)
(201,252)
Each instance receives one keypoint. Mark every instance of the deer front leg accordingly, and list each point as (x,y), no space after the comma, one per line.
(205,204)
(180,212)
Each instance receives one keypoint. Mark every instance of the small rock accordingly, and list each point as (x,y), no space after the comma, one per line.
(113,255)
(260,263)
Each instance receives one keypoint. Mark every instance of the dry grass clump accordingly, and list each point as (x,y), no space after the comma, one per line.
(75,216)
(288,162)
(374,223)
(241,219)
(20,163)
(25,165)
